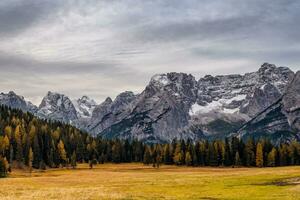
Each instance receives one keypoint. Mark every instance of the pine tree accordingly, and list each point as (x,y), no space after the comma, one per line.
(178,155)
(249,153)
(36,152)
(259,155)
(237,160)
(272,158)
(227,154)
(3,167)
(62,152)
(30,160)
(167,155)
(73,160)
(116,152)
(18,139)
(188,159)
(147,156)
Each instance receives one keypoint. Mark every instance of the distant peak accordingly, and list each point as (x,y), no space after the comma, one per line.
(108,100)
(161,79)
(12,93)
(86,99)
(267,66)
(49,94)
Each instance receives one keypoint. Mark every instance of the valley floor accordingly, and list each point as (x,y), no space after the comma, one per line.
(136,181)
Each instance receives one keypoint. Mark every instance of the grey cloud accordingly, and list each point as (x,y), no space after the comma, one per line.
(132,39)
(19,63)
(17,16)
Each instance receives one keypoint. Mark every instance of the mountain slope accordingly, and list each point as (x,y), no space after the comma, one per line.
(175,105)
(13,100)
(280,121)
(157,114)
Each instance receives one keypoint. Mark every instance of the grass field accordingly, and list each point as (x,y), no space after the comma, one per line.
(135,181)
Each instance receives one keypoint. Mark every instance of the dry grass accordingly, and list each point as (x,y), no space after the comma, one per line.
(135,181)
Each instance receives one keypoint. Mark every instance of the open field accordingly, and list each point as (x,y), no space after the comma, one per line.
(135,181)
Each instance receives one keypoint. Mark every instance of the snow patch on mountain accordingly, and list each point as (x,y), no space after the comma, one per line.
(219,105)
(84,106)
(160,79)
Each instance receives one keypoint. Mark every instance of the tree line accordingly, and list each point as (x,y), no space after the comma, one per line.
(29,142)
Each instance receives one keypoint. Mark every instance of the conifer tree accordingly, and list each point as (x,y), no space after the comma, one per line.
(259,156)
(73,160)
(167,155)
(147,156)
(178,155)
(272,158)
(188,159)
(237,160)
(62,152)
(3,167)
(30,160)
(19,150)
(249,153)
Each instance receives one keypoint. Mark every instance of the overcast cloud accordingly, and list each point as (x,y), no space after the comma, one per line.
(101,48)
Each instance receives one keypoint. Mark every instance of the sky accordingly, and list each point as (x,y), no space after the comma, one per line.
(101,48)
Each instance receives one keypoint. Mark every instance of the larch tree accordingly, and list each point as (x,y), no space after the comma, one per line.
(259,155)
(62,151)
(188,159)
(272,158)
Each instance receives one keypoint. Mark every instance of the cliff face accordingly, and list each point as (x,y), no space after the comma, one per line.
(280,121)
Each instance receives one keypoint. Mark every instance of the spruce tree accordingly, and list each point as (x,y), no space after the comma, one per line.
(249,153)
(147,156)
(30,160)
(237,160)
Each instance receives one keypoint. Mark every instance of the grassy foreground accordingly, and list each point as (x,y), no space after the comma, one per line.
(135,181)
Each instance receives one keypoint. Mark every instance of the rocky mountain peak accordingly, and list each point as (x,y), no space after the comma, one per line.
(86,100)
(84,106)
(179,85)
(58,107)
(11,99)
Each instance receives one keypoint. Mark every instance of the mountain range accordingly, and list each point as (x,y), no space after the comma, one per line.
(265,103)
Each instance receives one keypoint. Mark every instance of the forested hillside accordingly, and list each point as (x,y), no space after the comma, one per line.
(29,142)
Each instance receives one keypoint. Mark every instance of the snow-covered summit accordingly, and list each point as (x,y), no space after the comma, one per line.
(57,107)
(84,106)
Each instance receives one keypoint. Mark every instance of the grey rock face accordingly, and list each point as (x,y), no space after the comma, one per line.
(174,105)
(247,94)
(260,99)
(110,112)
(58,107)
(157,114)
(281,120)
(291,102)
(14,101)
